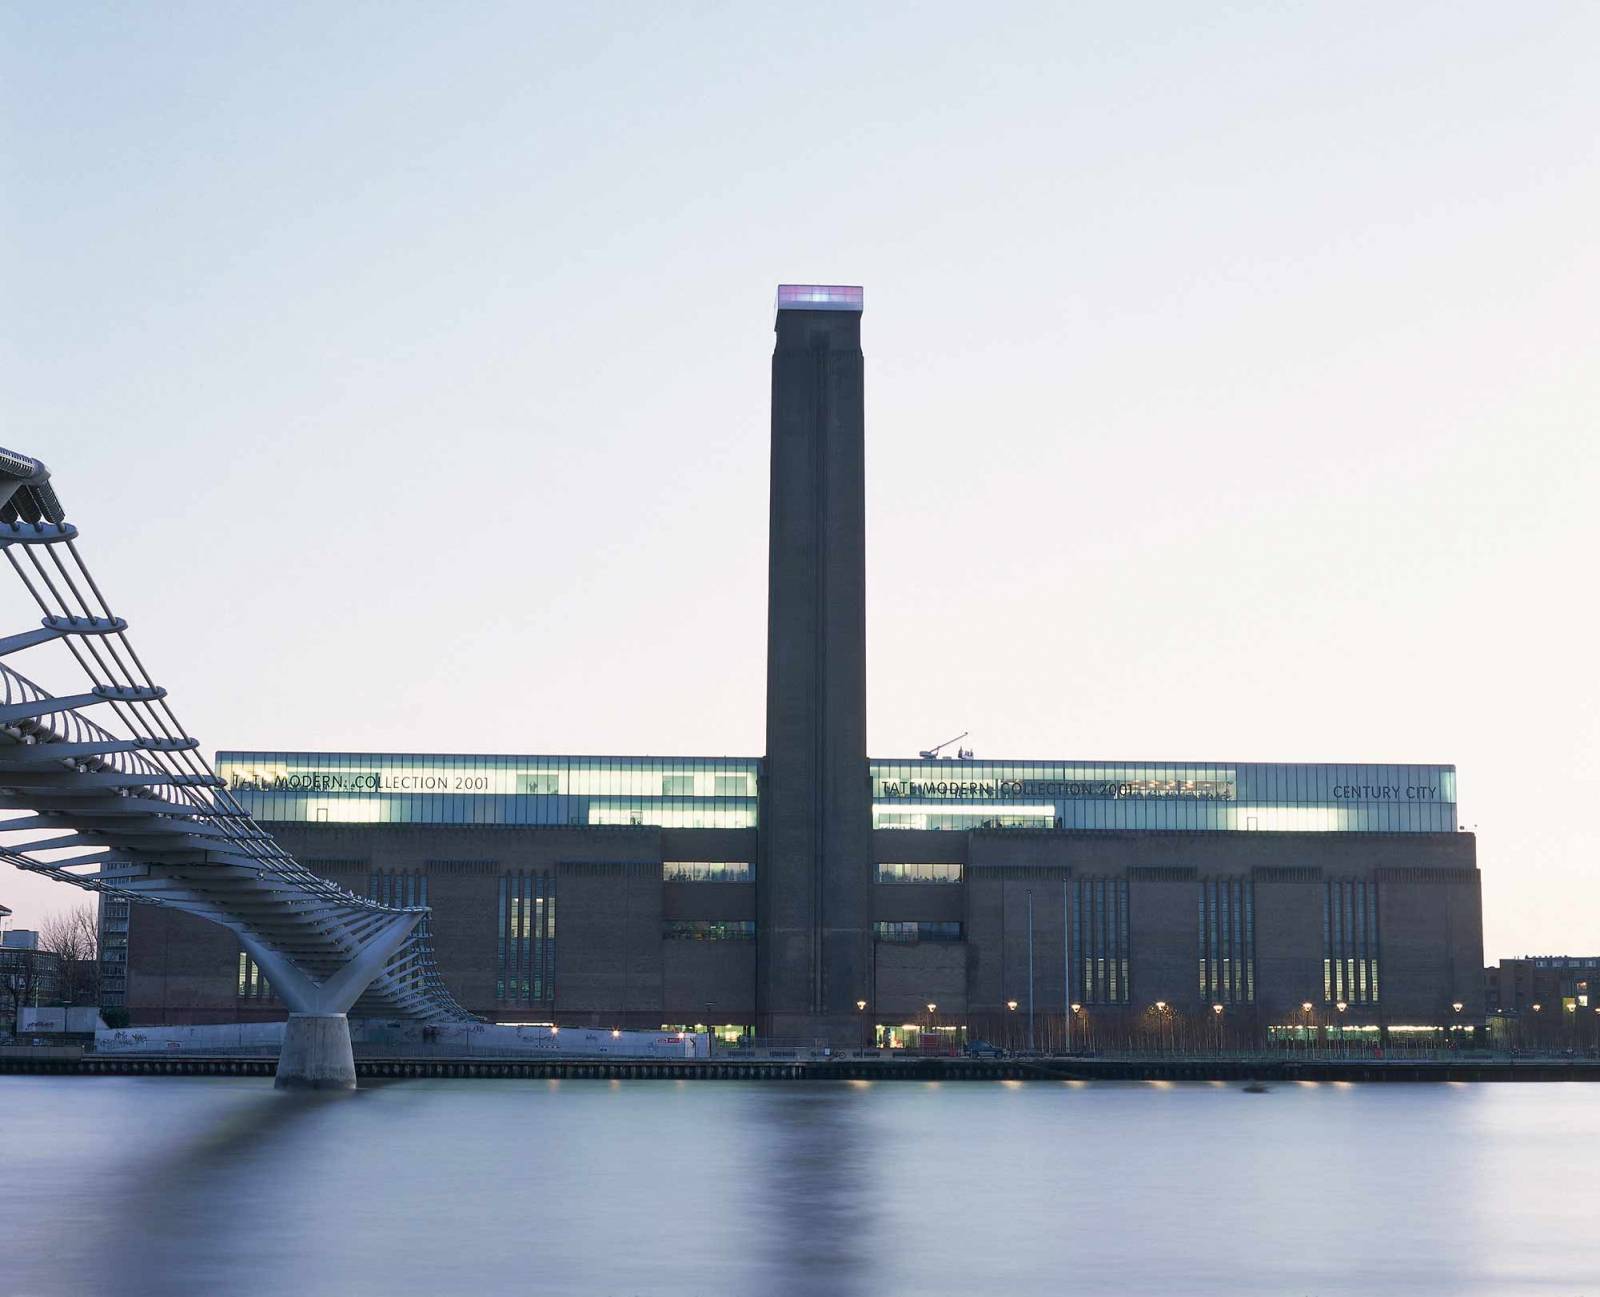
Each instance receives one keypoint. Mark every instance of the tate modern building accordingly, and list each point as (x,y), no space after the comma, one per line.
(816,893)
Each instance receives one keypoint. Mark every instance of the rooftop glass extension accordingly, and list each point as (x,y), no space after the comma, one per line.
(721,792)
(395,788)
(1163,795)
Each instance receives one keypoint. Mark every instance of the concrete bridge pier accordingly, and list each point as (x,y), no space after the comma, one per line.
(316,1053)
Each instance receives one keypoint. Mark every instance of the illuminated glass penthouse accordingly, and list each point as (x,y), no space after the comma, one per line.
(393,788)
(813,894)
(723,793)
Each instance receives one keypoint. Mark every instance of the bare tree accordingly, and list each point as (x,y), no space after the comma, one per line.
(73,937)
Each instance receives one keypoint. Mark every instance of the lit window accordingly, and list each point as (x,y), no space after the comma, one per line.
(909,933)
(709,930)
(919,873)
(704,871)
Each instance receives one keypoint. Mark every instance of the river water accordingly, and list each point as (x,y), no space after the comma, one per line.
(132,1186)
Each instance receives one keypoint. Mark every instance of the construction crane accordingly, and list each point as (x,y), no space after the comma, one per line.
(962,754)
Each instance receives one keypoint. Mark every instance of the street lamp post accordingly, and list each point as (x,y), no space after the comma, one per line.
(861,1008)
(1161,1024)
(1305,1008)
(931,1008)
(1030,970)
(1342,1005)
(1455,1023)
(1216,1020)
(1011,1032)
(1073,1010)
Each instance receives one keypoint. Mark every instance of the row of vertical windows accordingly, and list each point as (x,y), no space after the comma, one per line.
(917,873)
(527,936)
(924,930)
(113,951)
(1350,941)
(708,871)
(1226,914)
(709,930)
(252,981)
(1100,938)
(1227,940)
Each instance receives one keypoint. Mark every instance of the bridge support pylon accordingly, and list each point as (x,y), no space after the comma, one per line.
(316,1053)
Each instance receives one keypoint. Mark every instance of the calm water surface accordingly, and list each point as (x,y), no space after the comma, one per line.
(223,1186)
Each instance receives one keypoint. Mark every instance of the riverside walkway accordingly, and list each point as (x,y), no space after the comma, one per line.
(1268,1069)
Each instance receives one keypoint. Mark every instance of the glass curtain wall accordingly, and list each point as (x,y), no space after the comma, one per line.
(721,792)
(1163,795)
(376,788)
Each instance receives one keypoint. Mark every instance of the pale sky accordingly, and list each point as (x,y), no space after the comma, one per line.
(1231,382)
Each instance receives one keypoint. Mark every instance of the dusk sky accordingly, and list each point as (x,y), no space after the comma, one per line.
(1231,382)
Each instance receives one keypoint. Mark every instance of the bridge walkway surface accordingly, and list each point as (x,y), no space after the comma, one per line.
(106,790)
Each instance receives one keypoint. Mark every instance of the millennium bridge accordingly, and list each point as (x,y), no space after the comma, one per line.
(105,789)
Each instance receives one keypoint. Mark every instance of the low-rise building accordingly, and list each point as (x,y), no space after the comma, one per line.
(1545,1001)
(29,977)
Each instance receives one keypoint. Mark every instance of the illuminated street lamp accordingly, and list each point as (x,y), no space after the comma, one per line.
(1305,1008)
(861,1008)
(1341,1005)
(1216,1019)
(1076,1009)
